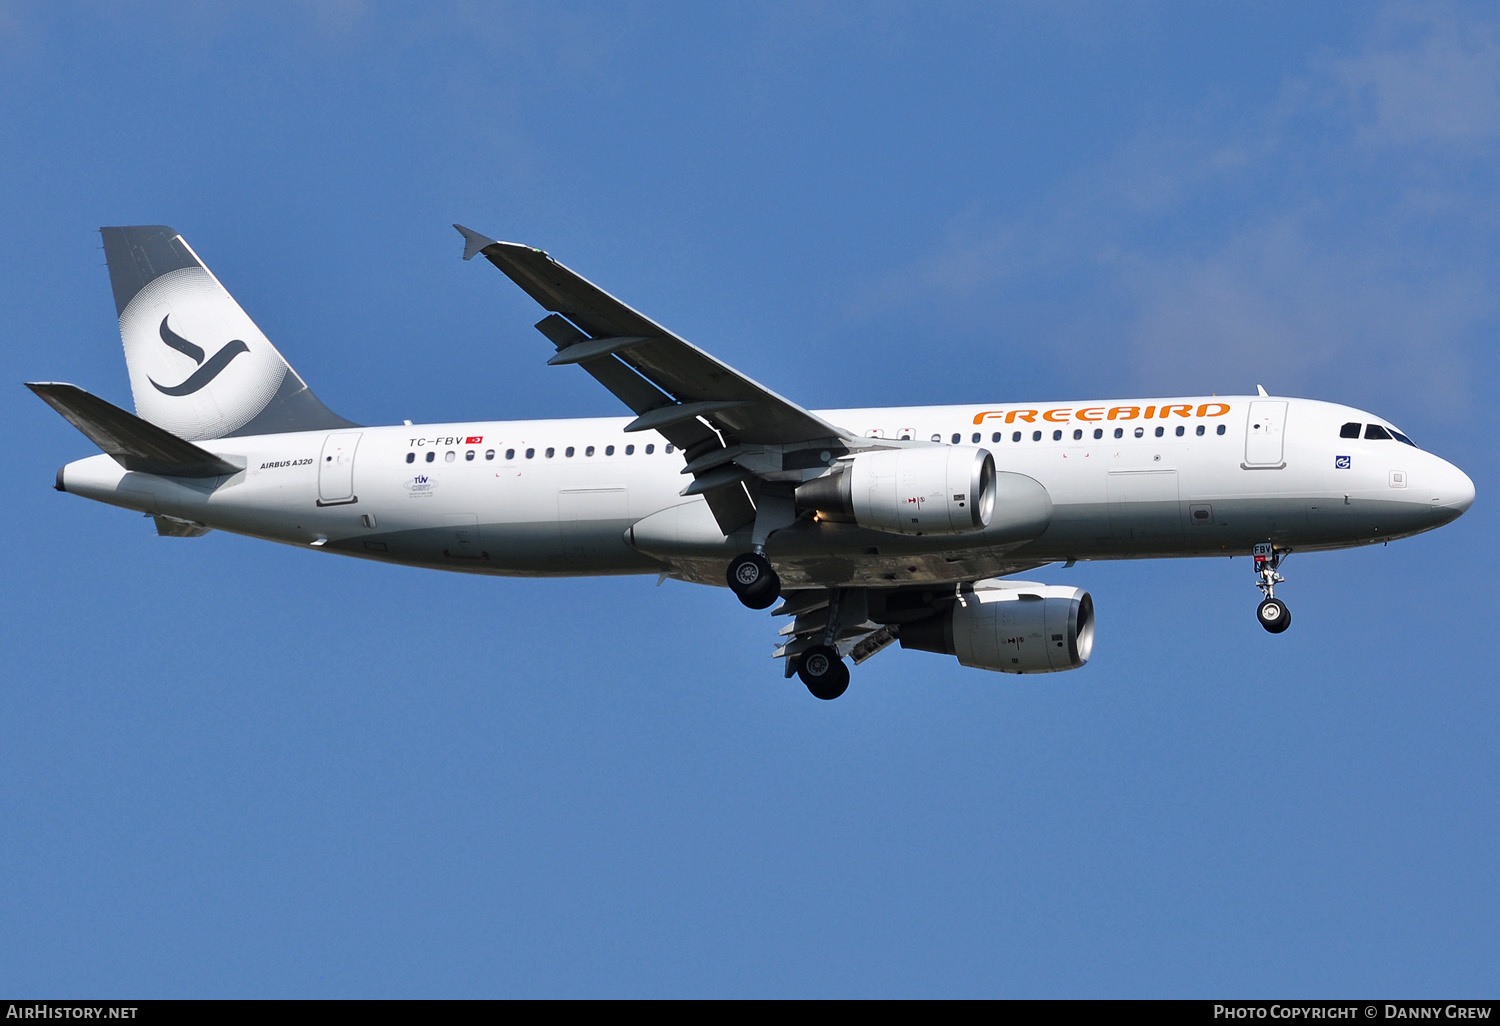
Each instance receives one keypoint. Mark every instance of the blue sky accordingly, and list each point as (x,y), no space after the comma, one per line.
(236,769)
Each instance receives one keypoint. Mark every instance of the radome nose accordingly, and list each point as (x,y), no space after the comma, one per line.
(1453,491)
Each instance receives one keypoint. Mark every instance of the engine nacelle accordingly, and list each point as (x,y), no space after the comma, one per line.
(1015,628)
(938,489)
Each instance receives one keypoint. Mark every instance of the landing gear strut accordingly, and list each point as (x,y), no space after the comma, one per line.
(752,578)
(1272,613)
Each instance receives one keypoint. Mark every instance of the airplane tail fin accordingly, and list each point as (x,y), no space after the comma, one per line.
(199,367)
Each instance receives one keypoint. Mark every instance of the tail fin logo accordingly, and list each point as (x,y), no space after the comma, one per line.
(206,372)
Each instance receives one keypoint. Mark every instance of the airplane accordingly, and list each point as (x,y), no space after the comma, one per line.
(871,527)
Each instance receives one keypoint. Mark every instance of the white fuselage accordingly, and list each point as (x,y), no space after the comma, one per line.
(1123,478)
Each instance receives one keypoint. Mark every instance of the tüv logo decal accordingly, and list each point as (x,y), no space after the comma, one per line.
(421,486)
(206,372)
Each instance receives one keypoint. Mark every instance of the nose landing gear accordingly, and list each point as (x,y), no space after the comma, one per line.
(1272,613)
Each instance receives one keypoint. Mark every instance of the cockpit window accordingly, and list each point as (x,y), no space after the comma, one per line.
(1349,431)
(1402,438)
(1374,432)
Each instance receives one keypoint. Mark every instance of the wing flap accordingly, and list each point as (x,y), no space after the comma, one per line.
(593,348)
(810,611)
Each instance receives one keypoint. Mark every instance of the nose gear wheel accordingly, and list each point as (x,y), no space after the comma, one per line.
(1272,613)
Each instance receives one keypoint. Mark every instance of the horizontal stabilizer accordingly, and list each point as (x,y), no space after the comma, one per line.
(133,443)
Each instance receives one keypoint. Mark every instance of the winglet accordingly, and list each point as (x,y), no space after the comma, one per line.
(474,243)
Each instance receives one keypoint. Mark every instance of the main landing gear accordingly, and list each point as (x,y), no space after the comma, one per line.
(1272,613)
(824,673)
(820,666)
(752,578)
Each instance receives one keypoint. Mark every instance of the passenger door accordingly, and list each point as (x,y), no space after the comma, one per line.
(1264,434)
(336,469)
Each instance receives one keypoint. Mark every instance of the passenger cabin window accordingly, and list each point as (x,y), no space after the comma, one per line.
(550,451)
(1098,432)
(411,457)
(1349,431)
(1220,431)
(510,454)
(1374,432)
(650,448)
(975,438)
(568,452)
(469,455)
(956,437)
(1160,431)
(589,451)
(1015,436)
(1057,436)
(431,456)
(609,450)
(449,456)
(1140,432)
(937,438)
(630,450)
(1201,429)
(1077,434)
(1119,432)
(489,454)
(1181,430)
(1036,436)
(530,453)
(995,437)
(669,447)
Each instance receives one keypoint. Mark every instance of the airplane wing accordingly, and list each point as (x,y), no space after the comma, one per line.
(705,407)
